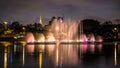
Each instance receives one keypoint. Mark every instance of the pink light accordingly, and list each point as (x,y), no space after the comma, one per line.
(92,38)
(99,39)
(92,48)
(30,39)
(85,47)
(100,47)
(83,38)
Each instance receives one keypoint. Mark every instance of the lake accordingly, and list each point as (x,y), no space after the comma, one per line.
(93,55)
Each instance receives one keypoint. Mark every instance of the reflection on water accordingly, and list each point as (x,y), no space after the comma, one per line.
(61,56)
(115,55)
(57,53)
(5,58)
(30,39)
(40,60)
(23,55)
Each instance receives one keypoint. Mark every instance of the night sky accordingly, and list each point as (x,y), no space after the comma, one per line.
(28,11)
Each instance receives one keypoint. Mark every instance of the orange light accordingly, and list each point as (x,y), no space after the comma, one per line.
(5,23)
(40,60)
(57,28)
(115,28)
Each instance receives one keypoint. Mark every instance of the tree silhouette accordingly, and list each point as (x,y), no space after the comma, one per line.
(107,23)
(90,22)
(16,26)
(90,25)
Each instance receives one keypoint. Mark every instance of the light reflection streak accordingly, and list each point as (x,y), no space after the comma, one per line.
(6,53)
(92,47)
(23,56)
(81,50)
(5,57)
(115,55)
(40,59)
(23,52)
(99,47)
(84,47)
(57,56)
(68,55)
(15,48)
(57,53)
(72,54)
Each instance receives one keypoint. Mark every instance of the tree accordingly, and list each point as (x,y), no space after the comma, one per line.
(89,25)
(16,26)
(90,22)
(1,28)
(107,23)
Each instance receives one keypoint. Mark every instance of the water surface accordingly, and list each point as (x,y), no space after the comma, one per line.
(19,55)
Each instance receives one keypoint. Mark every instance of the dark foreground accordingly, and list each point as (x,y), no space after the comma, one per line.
(61,56)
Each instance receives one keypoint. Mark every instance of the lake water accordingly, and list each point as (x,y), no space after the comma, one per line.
(100,55)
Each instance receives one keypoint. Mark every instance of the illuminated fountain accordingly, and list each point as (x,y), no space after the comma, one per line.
(64,31)
(49,37)
(71,31)
(59,32)
(99,39)
(91,38)
(40,38)
(83,38)
(30,39)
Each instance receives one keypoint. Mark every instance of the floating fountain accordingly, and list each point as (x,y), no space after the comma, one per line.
(49,37)
(30,39)
(60,31)
(64,31)
(40,38)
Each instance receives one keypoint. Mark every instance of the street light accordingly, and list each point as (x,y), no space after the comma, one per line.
(23,30)
(115,31)
(115,28)
(5,22)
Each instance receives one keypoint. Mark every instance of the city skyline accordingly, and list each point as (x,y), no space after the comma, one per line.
(29,11)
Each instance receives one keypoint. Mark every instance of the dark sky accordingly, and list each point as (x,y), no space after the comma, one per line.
(28,11)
